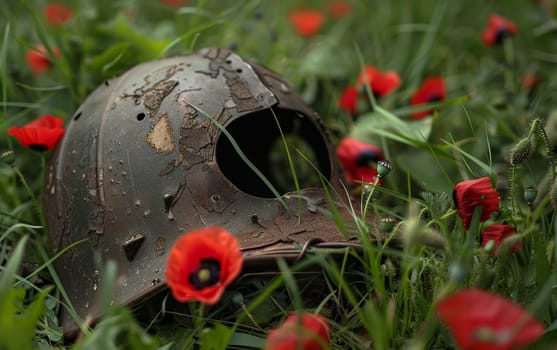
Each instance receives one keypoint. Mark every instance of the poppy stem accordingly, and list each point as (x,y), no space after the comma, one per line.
(370,195)
(472,233)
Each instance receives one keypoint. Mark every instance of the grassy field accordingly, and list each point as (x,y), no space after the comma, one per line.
(457,97)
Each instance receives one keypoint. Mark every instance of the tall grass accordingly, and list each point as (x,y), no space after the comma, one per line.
(381,295)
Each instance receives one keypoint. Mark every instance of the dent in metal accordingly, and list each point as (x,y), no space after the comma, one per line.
(132,244)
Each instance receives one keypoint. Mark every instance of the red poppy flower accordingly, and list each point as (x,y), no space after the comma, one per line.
(498,233)
(431,90)
(173,3)
(473,193)
(306,22)
(530,81)
(57,13)
(37,59)
(349,99)
(381,84)
(356,157)
(42,134)
(338,9)
(480,320)
(498,28)
(299,331)
(202,263)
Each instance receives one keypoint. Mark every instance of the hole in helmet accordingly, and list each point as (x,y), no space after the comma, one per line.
(140,116)
(259,138)
(239,70)
(76,116)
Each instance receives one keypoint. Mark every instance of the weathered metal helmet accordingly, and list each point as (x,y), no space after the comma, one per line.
(173,145)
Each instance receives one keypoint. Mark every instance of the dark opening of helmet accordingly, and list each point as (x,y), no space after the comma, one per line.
(301,153)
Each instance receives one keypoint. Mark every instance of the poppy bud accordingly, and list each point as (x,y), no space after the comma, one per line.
(8,157)
(384,167)
(530,194)
(509,245)
(432,238)
(521,151)
(387,224)
(553,194)
(457,273)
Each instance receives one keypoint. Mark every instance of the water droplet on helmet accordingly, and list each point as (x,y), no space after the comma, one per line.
(94,287)
(124,173)
(137,203)
(146,213)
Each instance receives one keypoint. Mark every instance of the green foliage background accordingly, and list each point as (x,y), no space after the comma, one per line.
(470,136)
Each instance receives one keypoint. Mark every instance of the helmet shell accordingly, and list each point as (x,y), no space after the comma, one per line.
(153,153)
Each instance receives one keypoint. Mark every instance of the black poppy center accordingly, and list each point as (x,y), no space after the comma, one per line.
(365,157)
(500,35)
(434,98)
(206,275)
(37,147)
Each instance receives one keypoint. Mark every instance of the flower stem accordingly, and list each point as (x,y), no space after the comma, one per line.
(369,196)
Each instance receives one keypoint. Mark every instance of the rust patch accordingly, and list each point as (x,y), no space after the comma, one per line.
(154,93)
(160,246)
(239,90)
(154,96)
(240,93)
(222,117)
(161,135)
(191,140)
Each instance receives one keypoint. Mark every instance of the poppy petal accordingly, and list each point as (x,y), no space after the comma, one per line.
(306,22)
(299,331)
(41,134)
(472,193)
(356,157)
(349,98)
(380,83)
(497,233)
(57,13)
(38,60)
(480,320)
(187,256)
(338,9)
(431,90)
(498,28)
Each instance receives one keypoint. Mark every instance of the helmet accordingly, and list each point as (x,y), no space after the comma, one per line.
(176,144)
